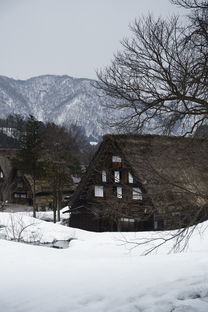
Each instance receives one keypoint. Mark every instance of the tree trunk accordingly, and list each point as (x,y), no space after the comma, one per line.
(54,210)
(58,206)
(118,226)
(34,200)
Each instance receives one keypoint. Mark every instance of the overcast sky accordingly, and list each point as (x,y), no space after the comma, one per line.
(72,37)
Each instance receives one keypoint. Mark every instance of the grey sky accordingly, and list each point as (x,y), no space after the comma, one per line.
(73,37)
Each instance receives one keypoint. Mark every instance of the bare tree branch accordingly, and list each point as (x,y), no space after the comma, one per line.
(160,79)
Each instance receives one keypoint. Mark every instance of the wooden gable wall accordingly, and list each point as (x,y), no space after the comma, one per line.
(110,211)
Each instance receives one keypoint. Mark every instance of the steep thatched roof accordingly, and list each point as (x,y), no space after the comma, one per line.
(7,156)
(173,171)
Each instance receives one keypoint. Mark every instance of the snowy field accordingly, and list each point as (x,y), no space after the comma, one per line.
(98,273)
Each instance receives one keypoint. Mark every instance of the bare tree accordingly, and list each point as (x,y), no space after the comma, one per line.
(191,4)
(17,227)
(3,204)
(58,176)
(160,79)
(180,197)
(160,82)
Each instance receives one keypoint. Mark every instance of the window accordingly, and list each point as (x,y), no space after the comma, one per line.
(119,192)
(127,224)
(136,193)
(99,191)
(130,178)
(20,195)
(116,159)
(127,220)
(104,176)
(117,176)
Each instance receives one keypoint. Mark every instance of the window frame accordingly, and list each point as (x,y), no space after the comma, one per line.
(130,178)
(104,176)
(99,189)
(117,176)
(136,193)
(116,159)
(119,192)
(129,220)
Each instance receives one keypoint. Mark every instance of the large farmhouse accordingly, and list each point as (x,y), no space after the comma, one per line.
(143,182)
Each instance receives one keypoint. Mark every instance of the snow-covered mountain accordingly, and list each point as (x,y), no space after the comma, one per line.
(61,99)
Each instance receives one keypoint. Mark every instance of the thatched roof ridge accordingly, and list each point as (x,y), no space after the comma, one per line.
(151,137)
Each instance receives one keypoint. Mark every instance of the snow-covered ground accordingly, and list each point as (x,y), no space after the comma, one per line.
(99,273)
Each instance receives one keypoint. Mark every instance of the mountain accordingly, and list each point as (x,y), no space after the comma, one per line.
(62,99)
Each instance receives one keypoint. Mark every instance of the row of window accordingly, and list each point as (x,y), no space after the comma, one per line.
(20,195)
(136,192)
(130,220)
(117,176)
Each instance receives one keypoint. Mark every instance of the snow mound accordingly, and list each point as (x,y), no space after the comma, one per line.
(22,227)
(100,272)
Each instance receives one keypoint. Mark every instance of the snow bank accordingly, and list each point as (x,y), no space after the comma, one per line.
(21,227)
(98,272)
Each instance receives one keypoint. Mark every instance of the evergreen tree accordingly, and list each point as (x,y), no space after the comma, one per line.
(30,156)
